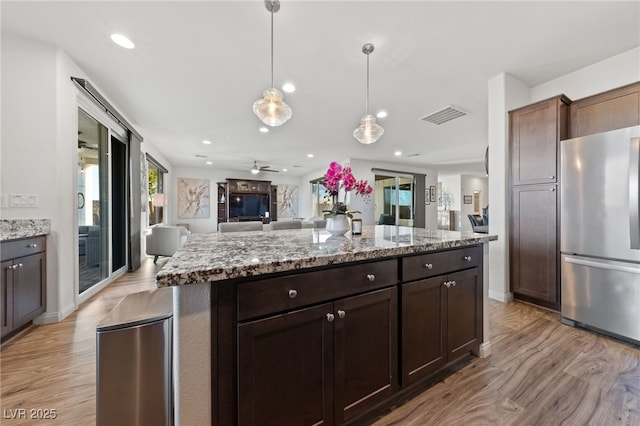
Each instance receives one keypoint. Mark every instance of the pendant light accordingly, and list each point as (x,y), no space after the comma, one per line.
(271,109)
(368,132)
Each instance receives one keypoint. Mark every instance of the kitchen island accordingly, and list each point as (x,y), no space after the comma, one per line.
(299,327)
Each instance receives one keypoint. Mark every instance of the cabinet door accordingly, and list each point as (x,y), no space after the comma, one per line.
(423,344)
(28,288)
(6,296)
(366,351)
(534,249)
(535,132)
(464,313)
(611,110)
(285,369)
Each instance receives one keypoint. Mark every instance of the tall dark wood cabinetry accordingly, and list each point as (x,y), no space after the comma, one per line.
(534,145)
(611,110)
(222,202)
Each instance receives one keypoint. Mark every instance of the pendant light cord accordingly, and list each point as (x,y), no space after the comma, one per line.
(272,45)
(367,97)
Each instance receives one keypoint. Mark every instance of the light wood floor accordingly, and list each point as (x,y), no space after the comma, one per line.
(540,372)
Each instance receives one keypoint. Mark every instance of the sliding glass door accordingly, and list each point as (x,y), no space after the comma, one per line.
(395,199)
(93,201)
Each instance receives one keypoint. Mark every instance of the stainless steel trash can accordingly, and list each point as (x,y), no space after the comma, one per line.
(134,358)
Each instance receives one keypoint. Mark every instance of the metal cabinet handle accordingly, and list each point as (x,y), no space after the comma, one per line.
(342,314)
(32,245)
(467,258)
(20,265)
(12,267)
(330,317)
(293,293)
(552,177)
(371,277)
(552,189)
(447,284)
(428,266)
(453,283)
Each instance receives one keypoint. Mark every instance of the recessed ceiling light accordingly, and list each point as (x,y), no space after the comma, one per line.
(284,170)
(264,129)
(310,155)
(122,41)
(206,142)
(289,87)
(381,114)
(397,153)
(209,162)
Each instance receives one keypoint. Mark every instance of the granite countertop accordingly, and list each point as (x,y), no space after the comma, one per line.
(221,256)
(12,229)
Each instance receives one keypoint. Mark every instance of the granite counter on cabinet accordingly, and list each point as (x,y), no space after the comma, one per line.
(222,256)
(12,229)
(236,290)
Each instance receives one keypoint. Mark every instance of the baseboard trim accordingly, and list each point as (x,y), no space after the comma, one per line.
(501,297)
(485,349)
(51,317)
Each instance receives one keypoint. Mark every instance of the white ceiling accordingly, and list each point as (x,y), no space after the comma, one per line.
(198,67)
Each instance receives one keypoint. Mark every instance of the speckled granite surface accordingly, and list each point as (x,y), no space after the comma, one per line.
(221,256)
(10,229)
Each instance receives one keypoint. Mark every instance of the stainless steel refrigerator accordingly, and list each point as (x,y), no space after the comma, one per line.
(600,232)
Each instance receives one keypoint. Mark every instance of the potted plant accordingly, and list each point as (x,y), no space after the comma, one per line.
(340,178)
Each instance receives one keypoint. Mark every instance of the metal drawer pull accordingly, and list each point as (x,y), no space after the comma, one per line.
(371,277)
(12,267)
(552,189)
(342,314)
(447,284)
(293,293)
(552,177)
(467,258)
(20,265)
(453,283)
(330,317)
(32,245)
(428,266)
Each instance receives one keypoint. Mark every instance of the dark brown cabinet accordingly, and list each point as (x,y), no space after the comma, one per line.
(611,110)
(23,282)
(536,131)
(441,315)
(321,365)
(273,202)
(534,244)
(222,202)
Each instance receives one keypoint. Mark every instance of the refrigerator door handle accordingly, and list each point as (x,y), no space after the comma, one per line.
(602,265)
(634,213)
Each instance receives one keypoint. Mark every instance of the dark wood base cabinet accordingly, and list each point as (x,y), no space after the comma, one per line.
(326,347)
(22,284)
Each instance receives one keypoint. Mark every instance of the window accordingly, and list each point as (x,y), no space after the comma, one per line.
(156,191)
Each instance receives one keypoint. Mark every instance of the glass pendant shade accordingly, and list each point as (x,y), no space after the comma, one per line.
(271,109)
(368,131)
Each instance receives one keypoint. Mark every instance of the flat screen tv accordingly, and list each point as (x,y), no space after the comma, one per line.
(248,205)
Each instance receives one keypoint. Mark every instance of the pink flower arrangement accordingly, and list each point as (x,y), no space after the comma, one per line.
(339,178)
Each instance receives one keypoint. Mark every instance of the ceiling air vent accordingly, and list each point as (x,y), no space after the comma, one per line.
(443,115)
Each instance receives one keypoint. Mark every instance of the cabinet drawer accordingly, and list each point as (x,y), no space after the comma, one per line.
(441,262)
(262,297)
(23,247)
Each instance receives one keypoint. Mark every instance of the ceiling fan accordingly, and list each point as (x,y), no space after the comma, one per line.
(255,169)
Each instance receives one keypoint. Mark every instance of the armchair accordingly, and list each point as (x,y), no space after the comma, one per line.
(165,240)
(477,223)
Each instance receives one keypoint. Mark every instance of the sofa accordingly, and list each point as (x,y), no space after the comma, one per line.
(89,244)
(165,240)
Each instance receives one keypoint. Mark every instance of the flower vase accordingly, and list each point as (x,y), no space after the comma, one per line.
(338,224)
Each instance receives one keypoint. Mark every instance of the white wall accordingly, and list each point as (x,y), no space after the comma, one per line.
(39,154)
(216,175)
(507,93)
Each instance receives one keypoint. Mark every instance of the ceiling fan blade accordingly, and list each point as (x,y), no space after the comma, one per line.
(269,170)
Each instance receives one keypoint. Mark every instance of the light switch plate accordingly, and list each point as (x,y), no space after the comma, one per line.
(23,200)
